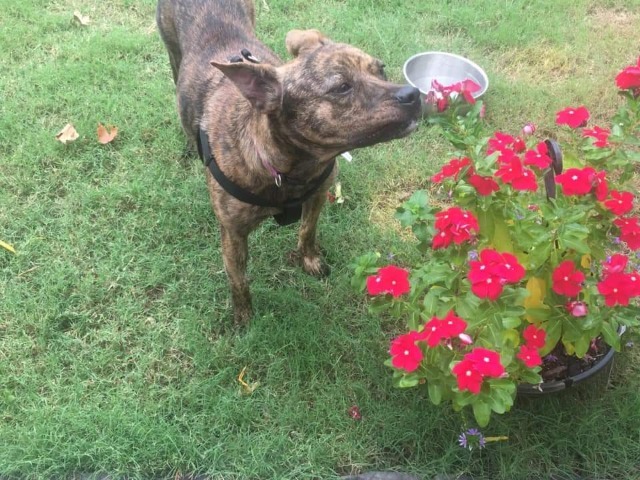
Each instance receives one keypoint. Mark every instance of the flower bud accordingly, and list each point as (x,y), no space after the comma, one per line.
(529,129)
(466,339)
(577,309)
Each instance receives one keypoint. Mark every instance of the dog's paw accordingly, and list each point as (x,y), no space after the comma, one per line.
(311,264)
(242,316)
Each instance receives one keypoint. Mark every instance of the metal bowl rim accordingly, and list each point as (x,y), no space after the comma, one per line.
(447,54)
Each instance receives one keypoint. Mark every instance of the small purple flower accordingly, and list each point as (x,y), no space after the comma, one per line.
(473,255)
(472,438)
(462,440)
(391,256)
(550,358)
(616,240)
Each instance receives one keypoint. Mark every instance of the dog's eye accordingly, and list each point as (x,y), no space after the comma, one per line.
(342,88)
(382,73)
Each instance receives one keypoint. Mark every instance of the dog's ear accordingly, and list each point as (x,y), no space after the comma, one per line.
(258,83)
(301,41)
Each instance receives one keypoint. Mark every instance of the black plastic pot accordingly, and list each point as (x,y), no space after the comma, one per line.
(599,374)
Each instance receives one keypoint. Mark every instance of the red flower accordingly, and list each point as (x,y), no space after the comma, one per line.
(432,332)
(539,157)
(453,169)
(600,134)
(510,269)
(629,231)
(512,172)
(602,187)
(526,181)
(629,77)
(489,274)
(567,280)
(620,202)
(454,225)
(467,88)
(467,376)
(518,145)
(486,362)
(483,185)
(510,167)
(499,142)
(614,264)
(452,325)
(618,288)
(577,181)
(634,284)
(573,117)
(390,279)
(529,356)
(442,104)
(438,329)
(405,354)
(534,337)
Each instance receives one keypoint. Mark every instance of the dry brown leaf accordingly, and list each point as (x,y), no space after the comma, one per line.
(106,135)
(81,19)
(67,135)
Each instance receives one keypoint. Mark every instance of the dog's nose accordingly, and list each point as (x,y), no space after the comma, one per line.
(408,95)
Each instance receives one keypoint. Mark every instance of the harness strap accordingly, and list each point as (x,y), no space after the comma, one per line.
(291,209)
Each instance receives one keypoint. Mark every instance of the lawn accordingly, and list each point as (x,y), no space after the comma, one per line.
(118,353)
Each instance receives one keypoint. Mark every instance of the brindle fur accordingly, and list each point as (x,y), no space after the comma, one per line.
(296,116)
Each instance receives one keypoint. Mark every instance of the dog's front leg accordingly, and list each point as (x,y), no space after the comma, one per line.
(308,253)
(235,252)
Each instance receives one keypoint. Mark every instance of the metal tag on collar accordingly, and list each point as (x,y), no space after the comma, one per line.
(249,56)
(278,178)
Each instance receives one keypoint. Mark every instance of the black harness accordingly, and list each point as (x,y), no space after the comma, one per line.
(291,209)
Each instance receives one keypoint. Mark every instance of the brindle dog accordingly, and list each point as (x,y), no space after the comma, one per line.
(274,129)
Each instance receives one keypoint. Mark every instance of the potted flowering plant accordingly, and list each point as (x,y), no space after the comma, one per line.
(526,252)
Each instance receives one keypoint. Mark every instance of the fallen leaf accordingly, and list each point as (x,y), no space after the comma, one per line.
(104,135)
(7,246)
(67,135)
(247,389)
(354,412)
(81,19)
(339,197)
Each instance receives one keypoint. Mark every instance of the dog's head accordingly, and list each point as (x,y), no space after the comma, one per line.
(331,97)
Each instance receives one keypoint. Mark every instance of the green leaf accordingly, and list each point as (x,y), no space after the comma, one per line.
(529,376)
(408,381)
(481,412)
(554,330)
(582,346)
(610,335)
(432,300)
(573,236)
(511,322)
(435,393)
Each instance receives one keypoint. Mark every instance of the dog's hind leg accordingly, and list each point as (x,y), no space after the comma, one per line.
(165,16)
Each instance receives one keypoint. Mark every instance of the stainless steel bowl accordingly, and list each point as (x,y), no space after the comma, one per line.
(447,68)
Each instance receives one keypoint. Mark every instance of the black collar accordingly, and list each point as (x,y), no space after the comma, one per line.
(291,209)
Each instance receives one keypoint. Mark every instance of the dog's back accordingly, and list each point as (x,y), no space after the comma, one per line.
(197,32)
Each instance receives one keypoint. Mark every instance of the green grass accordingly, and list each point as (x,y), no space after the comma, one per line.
(117,350)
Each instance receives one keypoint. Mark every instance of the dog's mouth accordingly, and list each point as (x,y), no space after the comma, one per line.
(386,133)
